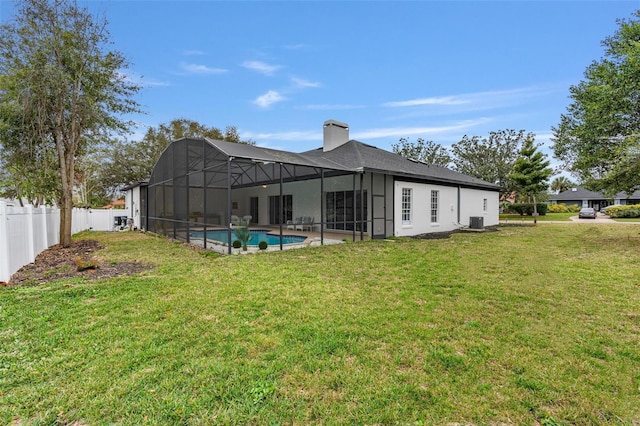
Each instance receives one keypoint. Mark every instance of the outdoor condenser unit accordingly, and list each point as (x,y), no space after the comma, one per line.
(476,222)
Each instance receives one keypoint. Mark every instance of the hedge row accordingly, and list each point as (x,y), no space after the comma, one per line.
(632,210)
(525,209)
(563,208)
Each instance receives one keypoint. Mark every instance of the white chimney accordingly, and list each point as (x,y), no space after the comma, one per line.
(335,134)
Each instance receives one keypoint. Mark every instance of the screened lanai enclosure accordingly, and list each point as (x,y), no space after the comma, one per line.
(201,189)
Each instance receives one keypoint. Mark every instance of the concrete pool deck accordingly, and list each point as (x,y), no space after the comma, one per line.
(313,238)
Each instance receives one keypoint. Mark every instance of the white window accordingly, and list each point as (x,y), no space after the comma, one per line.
(406,206)
(484,205)
(435,195)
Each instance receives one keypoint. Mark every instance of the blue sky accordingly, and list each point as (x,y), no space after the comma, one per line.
(419,69)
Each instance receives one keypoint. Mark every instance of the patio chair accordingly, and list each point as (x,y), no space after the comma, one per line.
(307,224)
(292,224)
(235,220)
(310,225)
(247,219)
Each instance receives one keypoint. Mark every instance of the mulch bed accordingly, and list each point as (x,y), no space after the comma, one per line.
(447,234)
(75,261)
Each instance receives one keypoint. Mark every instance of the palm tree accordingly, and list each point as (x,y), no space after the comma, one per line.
(561,184)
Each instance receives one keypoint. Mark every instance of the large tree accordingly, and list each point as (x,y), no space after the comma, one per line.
(531,171)
(68,88)
(25,173)
(490,159)
(126,162)
(561,184)
(598,137)
(424,151)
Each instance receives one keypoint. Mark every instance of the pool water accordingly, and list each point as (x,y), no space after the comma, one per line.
(257,235)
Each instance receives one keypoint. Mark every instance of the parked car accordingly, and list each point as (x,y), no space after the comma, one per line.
(587,213)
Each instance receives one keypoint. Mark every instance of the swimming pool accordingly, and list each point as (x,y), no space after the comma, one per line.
(257,235)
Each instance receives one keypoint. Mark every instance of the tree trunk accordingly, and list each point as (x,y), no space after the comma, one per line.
(66,168)
(66,211)
(535,210)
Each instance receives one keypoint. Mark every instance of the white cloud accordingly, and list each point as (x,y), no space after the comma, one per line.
(395,132)
(330,107)
(140,80)
(201,69)
(261,67)
(544,136)
(298,46)
(284,136)
(300,83)
(445,100)
(194,52)
(486,100)
(268,99)
(154,83)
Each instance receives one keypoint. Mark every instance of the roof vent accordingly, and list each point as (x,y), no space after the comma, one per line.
(335,134)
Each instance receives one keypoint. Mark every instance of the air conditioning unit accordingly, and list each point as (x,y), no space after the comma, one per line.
(476,222)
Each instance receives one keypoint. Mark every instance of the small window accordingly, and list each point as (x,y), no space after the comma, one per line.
(406,206)
(435,195)
(484,205)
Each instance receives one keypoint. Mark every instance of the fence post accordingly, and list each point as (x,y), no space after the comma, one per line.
(45,236)
(4,243)
(30,242)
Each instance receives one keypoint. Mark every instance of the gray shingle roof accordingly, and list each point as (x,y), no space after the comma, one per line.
(585,194)
(240,150)
(359,156)
(355,156)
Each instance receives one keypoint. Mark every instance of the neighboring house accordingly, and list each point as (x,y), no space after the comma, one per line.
(117,204)
(346,187)
(585,198)
(133,200)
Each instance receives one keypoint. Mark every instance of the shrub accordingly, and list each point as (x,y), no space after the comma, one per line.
(243,233)
(237,244)
(563,208)
(525,208)
(558,208)
(262,245)
(632,210)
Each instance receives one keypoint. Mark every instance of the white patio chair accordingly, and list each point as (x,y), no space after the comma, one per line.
(307,223)
(291,224)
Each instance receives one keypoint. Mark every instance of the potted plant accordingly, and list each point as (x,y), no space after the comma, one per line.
(243,233)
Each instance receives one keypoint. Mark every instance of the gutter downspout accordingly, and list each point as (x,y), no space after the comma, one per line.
(459,206)
(229,205)
(322,207)
(362,218)
(281,204)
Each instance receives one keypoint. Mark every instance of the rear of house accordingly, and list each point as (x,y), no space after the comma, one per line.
(344,187)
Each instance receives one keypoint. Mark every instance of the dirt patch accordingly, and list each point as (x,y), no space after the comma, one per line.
(447,234)
(434,235)
(59,262)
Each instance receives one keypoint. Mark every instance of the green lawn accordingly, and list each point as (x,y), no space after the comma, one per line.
(526,325)
(565,217)
(627,219)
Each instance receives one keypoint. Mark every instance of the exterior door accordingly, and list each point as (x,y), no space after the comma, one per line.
(378,209)
(253,209)
(276,207)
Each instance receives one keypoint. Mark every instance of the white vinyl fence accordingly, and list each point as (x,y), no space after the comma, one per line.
(27,231)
